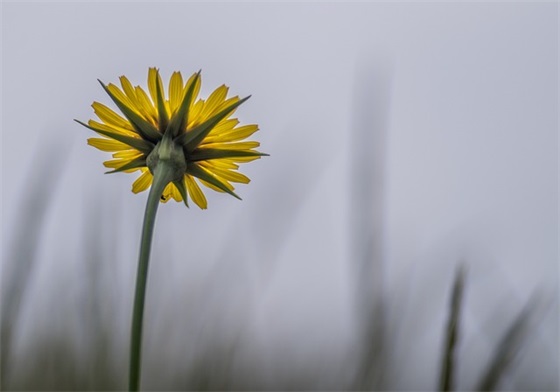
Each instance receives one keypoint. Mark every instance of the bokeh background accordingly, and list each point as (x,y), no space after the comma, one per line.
(405,139)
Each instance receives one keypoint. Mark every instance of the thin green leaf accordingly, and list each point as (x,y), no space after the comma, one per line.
(204,154)
(143,127)
(181,116)
(204,175)
(162,112)
(191,139)
(140,144)
(182,190)
(135,163)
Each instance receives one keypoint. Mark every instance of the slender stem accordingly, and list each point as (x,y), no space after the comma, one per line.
(162,176)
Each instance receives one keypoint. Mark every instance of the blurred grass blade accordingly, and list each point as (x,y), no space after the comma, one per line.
(367,220)
(20,262)
(448,365)
(507,350)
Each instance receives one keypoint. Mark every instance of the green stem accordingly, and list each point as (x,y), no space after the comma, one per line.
(162,177)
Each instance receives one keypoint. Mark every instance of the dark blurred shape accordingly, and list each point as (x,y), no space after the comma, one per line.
(45,172)
(55,362)
(448,367)
(508,348)
(367,216)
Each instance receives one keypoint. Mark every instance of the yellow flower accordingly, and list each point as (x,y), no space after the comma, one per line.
(212,143)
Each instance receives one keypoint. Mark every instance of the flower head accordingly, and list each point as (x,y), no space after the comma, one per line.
(205,144)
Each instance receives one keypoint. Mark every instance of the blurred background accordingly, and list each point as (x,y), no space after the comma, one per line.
(405,140)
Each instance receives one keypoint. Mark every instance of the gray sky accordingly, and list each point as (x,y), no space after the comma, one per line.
(470,166)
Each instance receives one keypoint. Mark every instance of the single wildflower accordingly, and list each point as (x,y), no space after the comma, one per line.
(175,142)
(207,145)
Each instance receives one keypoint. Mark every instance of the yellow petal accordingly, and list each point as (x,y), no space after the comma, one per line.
(153,76)
(130,93)
(205,167)
(166,195)
(196,89)
(223,126)
(207,184)
(225,174)
(227,103)
(109,145)
(117,92)
(169,192)
(233,135)
(175,91)
(214,101)
(210,111)
(113,163)
(111,128)
(128,154)
(143,182)
(224,163)
(167,107)
(195,192)
(175,193)
(194,114)
(244,159)
(116,163)
(109,117)
(146,106)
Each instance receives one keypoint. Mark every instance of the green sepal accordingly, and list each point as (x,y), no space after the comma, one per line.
(143,127)
(135,163)
(162,112)
(196,171)
(192,138)
(181,116)
(182,190)
(140,144)
(204,154)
